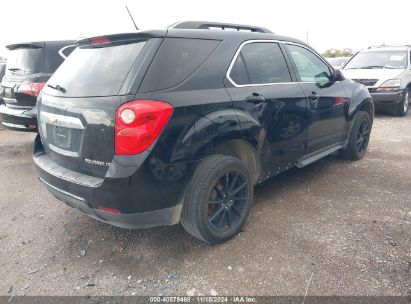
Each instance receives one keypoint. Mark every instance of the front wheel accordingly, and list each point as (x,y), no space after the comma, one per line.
(359,137)
(402,107)
(217,199)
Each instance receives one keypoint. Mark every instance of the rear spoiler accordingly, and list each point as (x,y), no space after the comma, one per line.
(121,38)
(25,45)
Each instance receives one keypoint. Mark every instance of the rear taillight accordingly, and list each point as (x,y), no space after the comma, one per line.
(109,210)
(32,89)
(138,125)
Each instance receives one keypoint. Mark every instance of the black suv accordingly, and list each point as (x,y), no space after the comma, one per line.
(29,66)
(178,125)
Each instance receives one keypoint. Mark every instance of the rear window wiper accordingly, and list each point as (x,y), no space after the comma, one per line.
(57,87)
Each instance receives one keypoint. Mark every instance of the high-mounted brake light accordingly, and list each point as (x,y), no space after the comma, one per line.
(99,40)
(32,89)
(138,125)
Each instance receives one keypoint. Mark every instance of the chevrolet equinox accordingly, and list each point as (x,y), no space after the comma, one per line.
(178,125)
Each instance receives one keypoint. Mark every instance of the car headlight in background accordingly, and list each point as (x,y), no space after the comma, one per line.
(390,85)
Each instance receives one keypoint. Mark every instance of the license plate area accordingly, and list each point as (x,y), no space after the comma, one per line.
(61,137)
(62,134)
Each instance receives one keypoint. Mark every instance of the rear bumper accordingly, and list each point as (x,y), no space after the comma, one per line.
(166,216)
(140,200)
(18,119)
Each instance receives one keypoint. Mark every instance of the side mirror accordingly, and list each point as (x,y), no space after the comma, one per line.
(338,75)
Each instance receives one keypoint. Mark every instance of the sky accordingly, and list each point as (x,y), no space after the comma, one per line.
(354,24)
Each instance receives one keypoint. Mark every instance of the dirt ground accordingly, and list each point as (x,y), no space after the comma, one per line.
(335,227)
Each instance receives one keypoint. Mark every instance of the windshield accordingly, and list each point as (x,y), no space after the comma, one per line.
(95,71)
(336,61)
(378,60)
(24,61)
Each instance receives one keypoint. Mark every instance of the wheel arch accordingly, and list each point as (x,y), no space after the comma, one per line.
(220,132)
(360,101)
(367,106)
(241,149)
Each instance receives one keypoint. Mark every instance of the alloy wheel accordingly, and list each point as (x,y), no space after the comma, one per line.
(406,101)
(363,136)
(227,201)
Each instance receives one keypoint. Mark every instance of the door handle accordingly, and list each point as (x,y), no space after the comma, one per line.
(255,99)
(314,97)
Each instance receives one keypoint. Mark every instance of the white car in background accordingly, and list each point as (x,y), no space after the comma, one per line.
(386,72)
(337,62)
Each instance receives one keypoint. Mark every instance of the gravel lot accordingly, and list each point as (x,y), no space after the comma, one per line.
(335,227)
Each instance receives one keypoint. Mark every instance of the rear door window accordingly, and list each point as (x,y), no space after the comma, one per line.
(176,60)
(24,61)
(95,71)
(239,72)
(260,63)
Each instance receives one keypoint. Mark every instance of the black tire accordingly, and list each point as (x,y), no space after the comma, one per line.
(208,183)
(401,109)
(359,137)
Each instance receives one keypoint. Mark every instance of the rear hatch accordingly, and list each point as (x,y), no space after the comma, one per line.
(23,69)
(77,107)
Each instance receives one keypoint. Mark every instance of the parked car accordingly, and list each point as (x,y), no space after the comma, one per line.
(2,71)
(386,72)
(338,62)
(28,68)
(187,121)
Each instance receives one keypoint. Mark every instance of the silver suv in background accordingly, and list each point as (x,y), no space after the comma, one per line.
(2,71)
(386,72)
(338,62)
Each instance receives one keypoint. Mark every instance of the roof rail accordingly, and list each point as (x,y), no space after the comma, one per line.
(206,25)
(390,45)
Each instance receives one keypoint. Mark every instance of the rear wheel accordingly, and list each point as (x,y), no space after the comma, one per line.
(402,108)
(218,199)
(359,137)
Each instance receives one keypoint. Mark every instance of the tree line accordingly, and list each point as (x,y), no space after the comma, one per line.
(331,53)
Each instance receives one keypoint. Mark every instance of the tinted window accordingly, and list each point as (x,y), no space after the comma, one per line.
(309,66)
(91,71)
(238,71)
(176,60)
(378,60)
(24,61)
(264,63)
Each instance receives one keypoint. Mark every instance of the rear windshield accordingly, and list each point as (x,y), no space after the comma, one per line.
(95,71)
(24,61)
